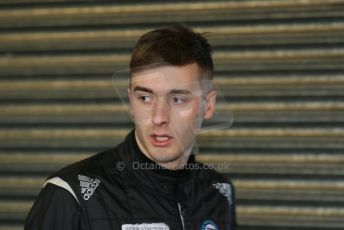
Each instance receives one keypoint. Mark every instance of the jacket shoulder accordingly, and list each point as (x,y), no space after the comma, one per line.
(81,179)
(215,181)
(93,165)
(51,203)
(208,173)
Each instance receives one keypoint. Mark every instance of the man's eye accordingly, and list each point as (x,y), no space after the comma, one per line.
(145,99)
(178,100)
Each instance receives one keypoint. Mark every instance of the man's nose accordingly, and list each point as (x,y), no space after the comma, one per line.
(160,113)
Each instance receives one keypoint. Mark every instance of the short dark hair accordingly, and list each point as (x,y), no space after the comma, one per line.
(176,45)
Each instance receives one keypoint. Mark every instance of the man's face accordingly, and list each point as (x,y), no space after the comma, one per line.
(168,107)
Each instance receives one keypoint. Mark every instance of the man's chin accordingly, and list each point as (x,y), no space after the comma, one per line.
(164,157)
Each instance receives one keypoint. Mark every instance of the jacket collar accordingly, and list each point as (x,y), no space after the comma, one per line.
(138,157)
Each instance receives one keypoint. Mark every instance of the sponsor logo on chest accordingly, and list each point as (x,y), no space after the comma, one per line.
(209,225)
(152,226)
(88,186)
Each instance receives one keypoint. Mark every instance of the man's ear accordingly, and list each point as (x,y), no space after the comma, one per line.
(210,105)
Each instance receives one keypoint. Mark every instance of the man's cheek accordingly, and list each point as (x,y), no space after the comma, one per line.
(188,111)
(185,112)
(141,116)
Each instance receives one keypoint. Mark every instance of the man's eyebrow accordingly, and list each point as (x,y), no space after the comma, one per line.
(180,91)
(173,91)
(144,89)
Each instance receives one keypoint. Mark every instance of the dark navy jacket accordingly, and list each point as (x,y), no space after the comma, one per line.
(123,189)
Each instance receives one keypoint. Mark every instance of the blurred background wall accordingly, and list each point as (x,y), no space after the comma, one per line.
(280,65)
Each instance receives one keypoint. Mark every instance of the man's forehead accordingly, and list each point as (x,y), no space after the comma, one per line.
(168,89)
(169,73)
(165,79)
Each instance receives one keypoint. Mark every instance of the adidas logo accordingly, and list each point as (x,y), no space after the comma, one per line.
(88,186)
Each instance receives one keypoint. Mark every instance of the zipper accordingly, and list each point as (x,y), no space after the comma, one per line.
(181,215)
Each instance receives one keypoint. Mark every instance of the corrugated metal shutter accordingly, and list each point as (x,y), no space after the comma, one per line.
(280,65)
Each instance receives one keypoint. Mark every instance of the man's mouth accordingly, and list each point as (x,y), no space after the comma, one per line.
(161,140)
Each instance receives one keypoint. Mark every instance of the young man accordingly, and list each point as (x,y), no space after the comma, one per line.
(151,180)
